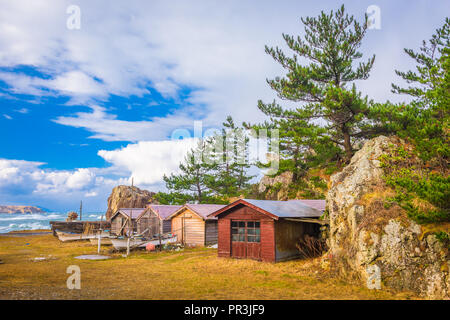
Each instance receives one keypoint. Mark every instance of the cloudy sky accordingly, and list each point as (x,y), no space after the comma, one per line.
(84,109)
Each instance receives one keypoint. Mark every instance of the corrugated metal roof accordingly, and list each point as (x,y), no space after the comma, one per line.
(164,210)
(205,209)
(134,212)
(286,209)
(317,204)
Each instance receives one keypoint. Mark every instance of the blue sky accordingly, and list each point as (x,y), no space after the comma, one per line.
(83,110)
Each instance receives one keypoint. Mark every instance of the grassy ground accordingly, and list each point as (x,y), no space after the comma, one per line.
(188,274)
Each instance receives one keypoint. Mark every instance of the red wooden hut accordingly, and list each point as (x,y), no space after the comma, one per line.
(266,230)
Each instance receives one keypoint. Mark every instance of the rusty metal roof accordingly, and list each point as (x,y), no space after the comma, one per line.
(164,210)
(204,210)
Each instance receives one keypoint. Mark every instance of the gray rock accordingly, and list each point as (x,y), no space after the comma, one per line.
(360,237)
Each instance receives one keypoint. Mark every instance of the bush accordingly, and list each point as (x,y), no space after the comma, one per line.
(310,246)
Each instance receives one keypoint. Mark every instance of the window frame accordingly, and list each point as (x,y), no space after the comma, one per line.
(242,232)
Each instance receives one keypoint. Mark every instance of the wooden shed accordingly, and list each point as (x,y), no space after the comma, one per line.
(192,225)
(266,230)
(155,219)
(124,220)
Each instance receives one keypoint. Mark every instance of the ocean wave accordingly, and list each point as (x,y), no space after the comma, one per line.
(17,221)
(33,216)
(24,226)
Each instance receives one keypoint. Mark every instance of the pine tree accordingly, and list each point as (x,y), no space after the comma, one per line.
(426,119)
(194,176)
(331,110)
(214,171)
(420,175)
(231,159)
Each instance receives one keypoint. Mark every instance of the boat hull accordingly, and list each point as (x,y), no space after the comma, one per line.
(121,244)
(65,236)
(104,242)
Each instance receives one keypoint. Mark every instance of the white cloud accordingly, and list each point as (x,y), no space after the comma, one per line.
(91,194)
(124,48)
(215,47)
(107,127)
(80,179)
(7,116)
(77,82)
(24,84)
(26,182)
(148,161)
(28,174)
(22,110)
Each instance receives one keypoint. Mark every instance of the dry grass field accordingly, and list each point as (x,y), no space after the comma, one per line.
(188,274)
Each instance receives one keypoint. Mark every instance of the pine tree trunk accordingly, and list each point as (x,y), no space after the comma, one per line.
(347,145)
(199,192)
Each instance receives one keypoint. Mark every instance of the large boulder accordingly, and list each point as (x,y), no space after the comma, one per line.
(373,242)
(128,197)
(280,183)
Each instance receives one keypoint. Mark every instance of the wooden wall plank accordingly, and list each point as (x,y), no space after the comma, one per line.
(242,212)
(193,231)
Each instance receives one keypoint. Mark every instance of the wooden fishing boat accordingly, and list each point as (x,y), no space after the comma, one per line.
(121,243)
(106,241)
(70,236)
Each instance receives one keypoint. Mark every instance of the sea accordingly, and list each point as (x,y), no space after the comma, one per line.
(33,221)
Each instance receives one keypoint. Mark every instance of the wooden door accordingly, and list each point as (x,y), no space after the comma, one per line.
(253,237)
(245,239)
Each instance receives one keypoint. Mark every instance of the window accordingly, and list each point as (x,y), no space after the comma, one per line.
(245,231)
(253,232)
(238,231)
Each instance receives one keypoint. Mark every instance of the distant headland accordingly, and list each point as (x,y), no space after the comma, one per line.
(21,209)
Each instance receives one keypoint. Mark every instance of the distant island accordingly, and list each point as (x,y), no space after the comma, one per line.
(21,209)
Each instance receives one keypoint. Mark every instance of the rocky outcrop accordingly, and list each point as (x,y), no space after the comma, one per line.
(378,244)
(312,185)
(275,188)
(20,209)
(128,197)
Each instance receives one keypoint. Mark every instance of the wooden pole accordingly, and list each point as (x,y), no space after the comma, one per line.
(160,249)
(183,232)
(160,232)
(81,208)
(99,242)
(100,235)
(130,220)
